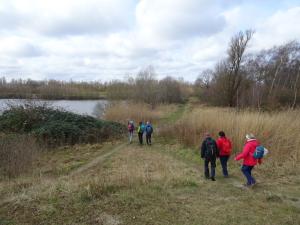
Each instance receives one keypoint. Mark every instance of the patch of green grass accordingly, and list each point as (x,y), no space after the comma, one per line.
(174,116)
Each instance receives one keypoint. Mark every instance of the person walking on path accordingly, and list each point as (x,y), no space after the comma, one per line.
(225,147)
(209,152)
(140,131)
(248,159)
(130,128)
(149,131)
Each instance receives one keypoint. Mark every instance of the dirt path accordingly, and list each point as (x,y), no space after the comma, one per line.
(100,158)
(50,181)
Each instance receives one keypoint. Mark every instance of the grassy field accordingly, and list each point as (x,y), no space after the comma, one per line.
(120,183)
(161,184)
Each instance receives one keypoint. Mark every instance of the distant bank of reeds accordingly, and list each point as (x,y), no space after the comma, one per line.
(124,111)
(52,89)
(277,131)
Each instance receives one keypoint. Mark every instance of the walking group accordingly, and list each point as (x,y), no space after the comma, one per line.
(252,154)
(143,128)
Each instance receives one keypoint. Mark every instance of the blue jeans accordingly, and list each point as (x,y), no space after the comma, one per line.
(247,172)
(223,161)
(212,166)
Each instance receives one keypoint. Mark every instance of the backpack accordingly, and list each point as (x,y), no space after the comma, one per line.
(141,129)
(211,150)
(259,152)
(149,129)
(130,127)
(226,146)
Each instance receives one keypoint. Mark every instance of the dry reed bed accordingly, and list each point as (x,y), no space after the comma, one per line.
(17,154)
(124,111)
(277,131)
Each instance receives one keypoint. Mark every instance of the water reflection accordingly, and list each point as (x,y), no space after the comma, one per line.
(93,108)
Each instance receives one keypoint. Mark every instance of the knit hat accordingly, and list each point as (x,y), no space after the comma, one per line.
(207,134)
(250,136)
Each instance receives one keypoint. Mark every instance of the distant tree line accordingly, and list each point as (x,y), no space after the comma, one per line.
(146,88)
(51,89)
(267,79)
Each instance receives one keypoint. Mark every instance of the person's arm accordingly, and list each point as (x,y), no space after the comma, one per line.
(218,150)
(219,144)
(259,161)
(244,153)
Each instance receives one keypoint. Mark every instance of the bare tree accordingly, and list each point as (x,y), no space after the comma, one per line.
(237,47)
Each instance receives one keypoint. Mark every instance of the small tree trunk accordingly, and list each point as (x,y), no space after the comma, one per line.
(296,89)
(275,76)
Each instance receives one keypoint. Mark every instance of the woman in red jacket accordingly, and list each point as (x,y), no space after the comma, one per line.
(249,161)
(225,147)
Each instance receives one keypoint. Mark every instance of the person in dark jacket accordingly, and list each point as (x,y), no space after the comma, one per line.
(225,146)
(149,131)
(209,152)
(140,131)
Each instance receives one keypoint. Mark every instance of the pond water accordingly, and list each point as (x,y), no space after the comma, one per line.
(84,107)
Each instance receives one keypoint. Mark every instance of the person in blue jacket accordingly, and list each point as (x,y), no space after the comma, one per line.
(149,131)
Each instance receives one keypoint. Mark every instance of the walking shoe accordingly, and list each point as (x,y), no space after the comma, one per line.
(247,185)
(213,179)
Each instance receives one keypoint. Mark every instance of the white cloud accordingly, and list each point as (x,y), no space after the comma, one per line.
(280,28)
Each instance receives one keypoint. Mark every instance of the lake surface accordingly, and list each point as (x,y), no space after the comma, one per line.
(84,107)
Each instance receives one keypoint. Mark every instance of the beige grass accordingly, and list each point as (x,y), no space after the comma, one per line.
(140,185)
(124,111)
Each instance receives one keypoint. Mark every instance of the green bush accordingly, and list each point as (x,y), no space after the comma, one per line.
(55,127)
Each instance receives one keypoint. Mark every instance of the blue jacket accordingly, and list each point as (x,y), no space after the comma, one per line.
(149,129)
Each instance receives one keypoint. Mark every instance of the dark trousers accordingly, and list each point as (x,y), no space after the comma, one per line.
(247,172)
(212,167)
(148,139)
(223,161)
(140,138)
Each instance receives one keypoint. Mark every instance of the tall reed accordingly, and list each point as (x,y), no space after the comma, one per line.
(277,131)
(124,111)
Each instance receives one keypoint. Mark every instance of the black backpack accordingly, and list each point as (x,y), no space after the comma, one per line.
(211,149)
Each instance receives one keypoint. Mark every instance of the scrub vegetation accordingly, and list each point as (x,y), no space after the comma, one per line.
(28,130)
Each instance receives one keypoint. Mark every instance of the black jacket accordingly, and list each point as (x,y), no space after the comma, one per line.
(209,149)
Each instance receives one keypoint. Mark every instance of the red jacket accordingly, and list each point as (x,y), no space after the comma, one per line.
(224,146)
(247,153)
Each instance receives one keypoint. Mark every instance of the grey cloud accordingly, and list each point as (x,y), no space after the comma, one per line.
(86,21)
(202,26)
(88,18)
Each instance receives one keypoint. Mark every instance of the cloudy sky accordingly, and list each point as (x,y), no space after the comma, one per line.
(111,39)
